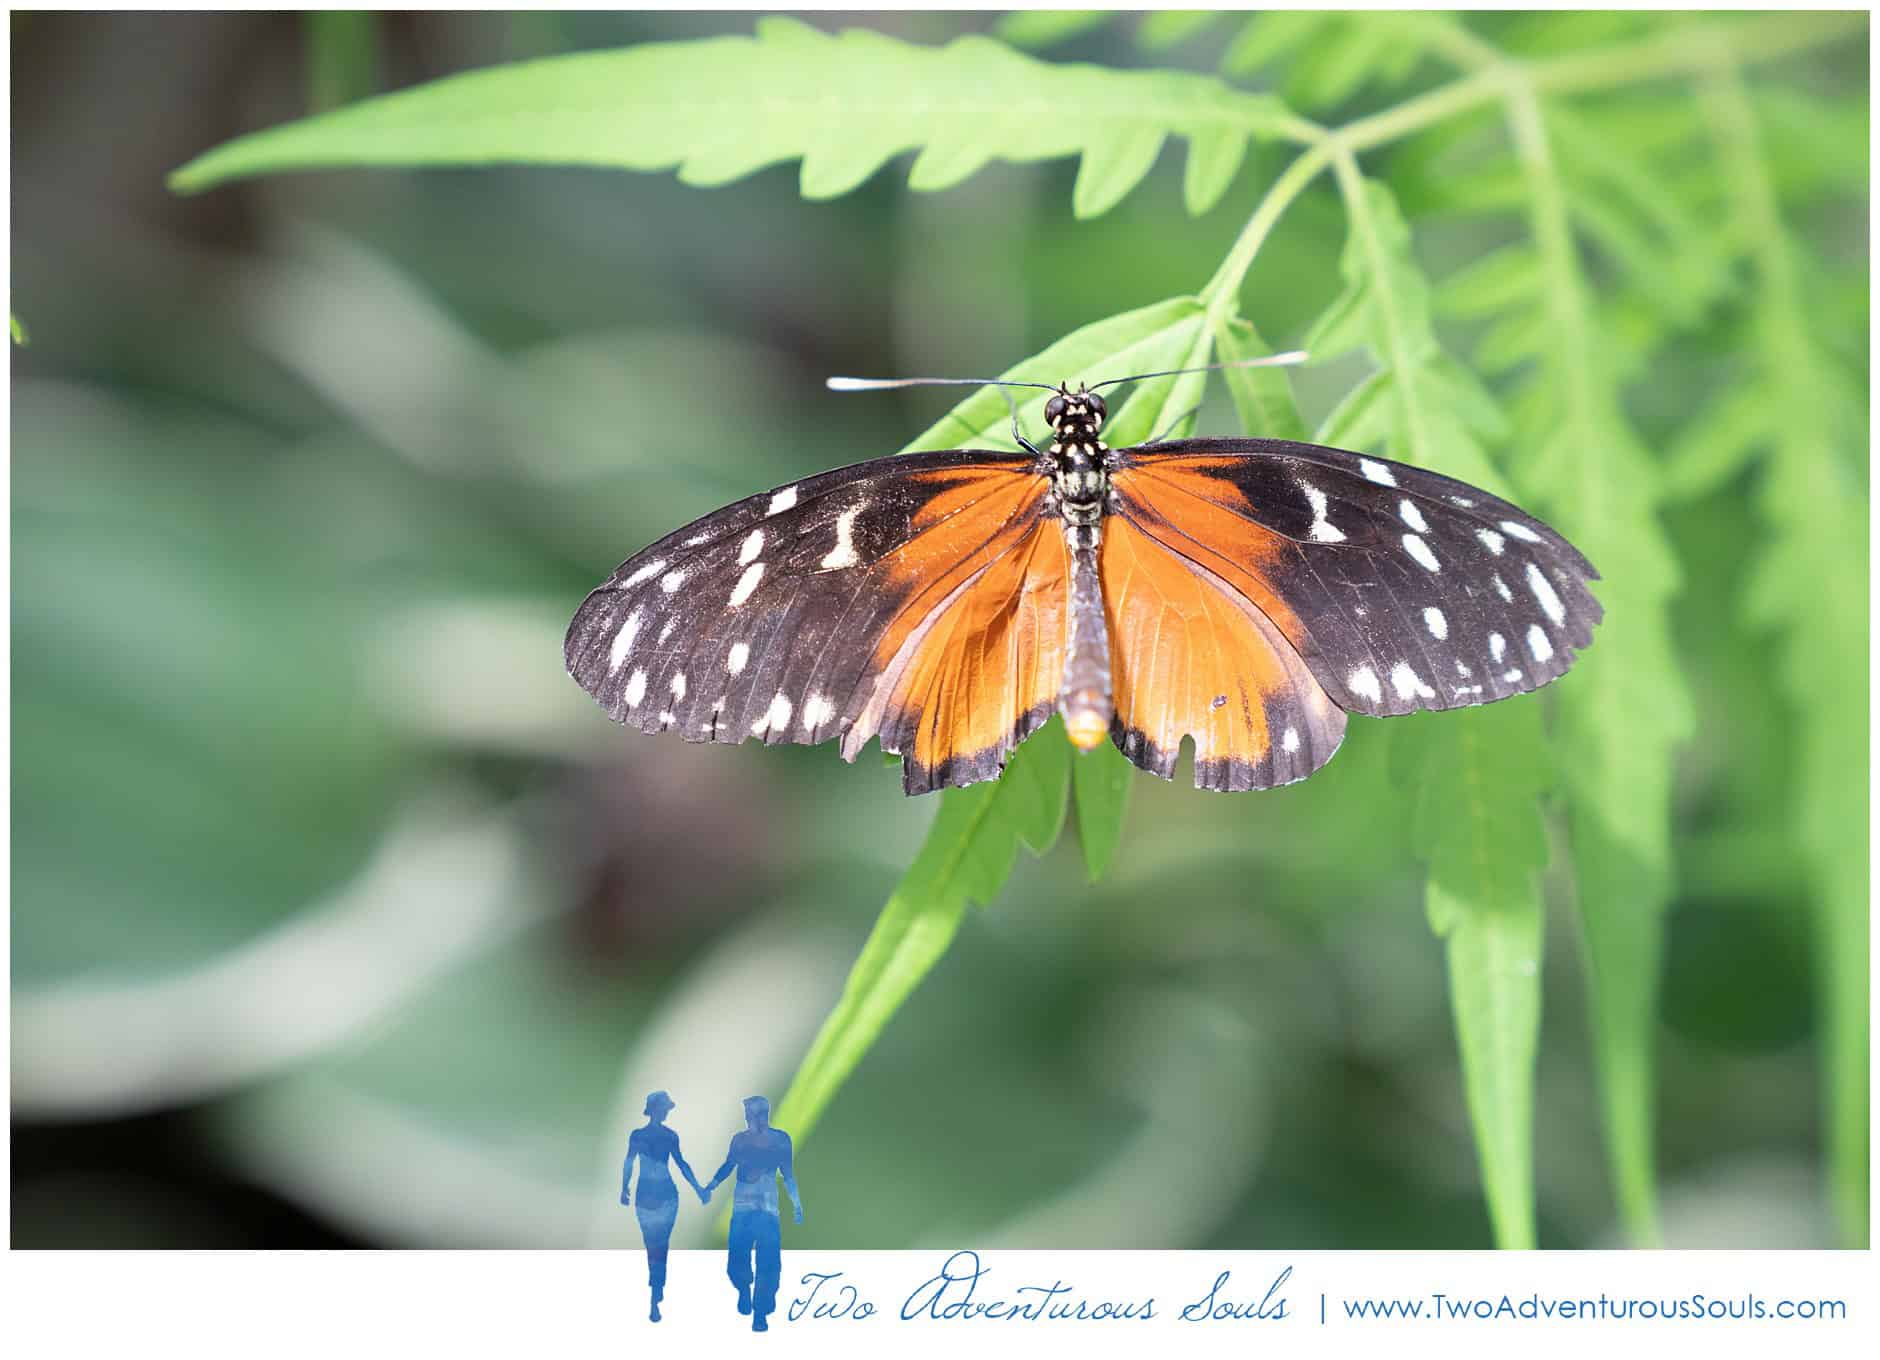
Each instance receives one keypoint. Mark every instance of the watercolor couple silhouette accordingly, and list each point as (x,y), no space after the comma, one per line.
(759,1154)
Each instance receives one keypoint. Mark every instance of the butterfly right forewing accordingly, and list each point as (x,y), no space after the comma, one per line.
(1403,589)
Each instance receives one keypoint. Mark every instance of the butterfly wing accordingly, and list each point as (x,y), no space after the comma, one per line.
(1400,588)
(918,598)
(1193,656)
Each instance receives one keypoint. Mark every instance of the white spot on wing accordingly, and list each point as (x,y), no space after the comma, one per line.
(740,653)
(636,688)
(746,584)
(623,642)
(1491,540)
(1420,550)
(1463,501)
(678,685)
(1463,670)
(1290,741)
(697,539)
(776,717)
(782,501)
(753,545)
(1363,683)
(1512,676)
(1541,647)
(1407,682)
(1544,592)
(1412,516)
(1516,529)
(1501,589)
(817,710)
(1375,471)
(672,581)
(1322,529)
(645,573)
(1437,624)
(1497,646)
(671,624)
(843,554)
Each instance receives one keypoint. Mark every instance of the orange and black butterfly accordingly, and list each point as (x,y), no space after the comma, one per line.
(1247,593)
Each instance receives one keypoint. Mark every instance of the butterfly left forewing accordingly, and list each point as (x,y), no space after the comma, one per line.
(1403,589)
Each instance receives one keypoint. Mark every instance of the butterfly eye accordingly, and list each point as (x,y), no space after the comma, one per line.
(1054,410)
(1098,411)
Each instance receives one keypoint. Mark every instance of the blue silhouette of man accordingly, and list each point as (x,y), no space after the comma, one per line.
(759,1155)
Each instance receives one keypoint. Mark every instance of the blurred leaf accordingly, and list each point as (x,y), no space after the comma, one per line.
(1213,161)
(845,105)
(969,853)
(1720,441)
(1624,710)
(1163,29)
(1816,142)
(1809,587)
(18,328)
(1333,55)
(1101,779)
(1035,29)
(342,56)
(1480,774)
(178,651)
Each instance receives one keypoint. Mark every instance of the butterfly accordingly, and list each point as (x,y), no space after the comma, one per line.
(1245,593)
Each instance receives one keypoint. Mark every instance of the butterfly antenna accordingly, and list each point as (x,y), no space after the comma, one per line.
(1293,356)
(880,384)
(877,384)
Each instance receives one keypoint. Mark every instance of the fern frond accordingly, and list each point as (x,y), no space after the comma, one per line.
(1478,783)
(1332,55)
(1809,590)
(722,108)
(1624,710)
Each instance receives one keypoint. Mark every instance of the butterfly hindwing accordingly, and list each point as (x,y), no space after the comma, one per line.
(905,597)
(1193,657)
(1401,588)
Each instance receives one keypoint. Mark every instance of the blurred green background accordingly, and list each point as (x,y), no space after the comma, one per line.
(340,915)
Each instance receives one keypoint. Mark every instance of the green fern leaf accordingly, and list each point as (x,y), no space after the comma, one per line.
(1037,29)
(1267,37)
(1262,396)
(1809,588)
(1624,709)
(1101,780)
(969,853)
(1480,773)
(1478,826)
(1720,441)
(723,108)
(1163,29)
(1160,336)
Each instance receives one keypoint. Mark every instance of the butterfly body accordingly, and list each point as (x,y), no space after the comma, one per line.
(1243,593)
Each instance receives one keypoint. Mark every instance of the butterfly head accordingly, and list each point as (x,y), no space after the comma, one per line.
(1075,417)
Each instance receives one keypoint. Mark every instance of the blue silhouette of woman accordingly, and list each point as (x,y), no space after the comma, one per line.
(658,1206)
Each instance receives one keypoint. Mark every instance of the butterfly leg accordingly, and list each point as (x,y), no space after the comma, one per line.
(1085,697)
